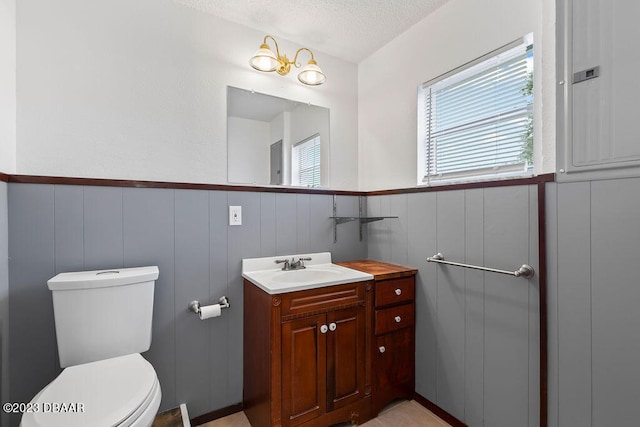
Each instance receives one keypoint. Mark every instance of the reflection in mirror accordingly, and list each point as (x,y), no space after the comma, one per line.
(276,141)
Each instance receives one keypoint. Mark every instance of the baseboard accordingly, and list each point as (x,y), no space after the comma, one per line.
(218,413)
(438,411)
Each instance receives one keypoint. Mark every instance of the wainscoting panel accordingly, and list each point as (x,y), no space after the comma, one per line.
(4,300)
(57,228)
(477,333)
(33,358)
(594,293)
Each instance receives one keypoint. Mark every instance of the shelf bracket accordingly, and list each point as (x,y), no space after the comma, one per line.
(361,218)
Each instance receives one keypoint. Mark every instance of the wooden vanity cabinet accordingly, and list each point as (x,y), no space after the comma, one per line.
(306,358)
(393,332)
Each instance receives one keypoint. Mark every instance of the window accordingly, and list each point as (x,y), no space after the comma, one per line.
(477,121)
(305,162)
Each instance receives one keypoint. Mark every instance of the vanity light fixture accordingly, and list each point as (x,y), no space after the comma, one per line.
(265,60)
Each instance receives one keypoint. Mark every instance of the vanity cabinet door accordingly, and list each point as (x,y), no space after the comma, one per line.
(394,365)
(346,348)
(304,362)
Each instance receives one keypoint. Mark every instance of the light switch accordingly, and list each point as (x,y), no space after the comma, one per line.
(235,215)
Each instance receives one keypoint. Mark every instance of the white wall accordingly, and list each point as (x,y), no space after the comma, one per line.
(137,90)
(7,86)
(453,35)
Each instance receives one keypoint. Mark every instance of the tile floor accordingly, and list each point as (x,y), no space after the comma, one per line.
(406,413)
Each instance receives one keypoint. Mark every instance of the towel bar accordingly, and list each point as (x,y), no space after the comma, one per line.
(525,270)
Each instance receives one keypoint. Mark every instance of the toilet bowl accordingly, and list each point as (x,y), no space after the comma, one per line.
(122,391)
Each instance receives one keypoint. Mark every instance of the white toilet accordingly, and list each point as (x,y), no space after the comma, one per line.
(103,323)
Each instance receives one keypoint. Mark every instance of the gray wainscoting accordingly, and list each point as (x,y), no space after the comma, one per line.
(594,292)
(477,334)
(4,302)
(57,228)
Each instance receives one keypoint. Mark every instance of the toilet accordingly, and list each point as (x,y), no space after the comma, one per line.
(103,323)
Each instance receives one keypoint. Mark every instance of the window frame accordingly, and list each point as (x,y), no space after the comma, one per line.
(458,74)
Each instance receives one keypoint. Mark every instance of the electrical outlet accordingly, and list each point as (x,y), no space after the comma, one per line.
(235,215)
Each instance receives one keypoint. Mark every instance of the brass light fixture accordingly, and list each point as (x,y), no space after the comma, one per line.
(265,60)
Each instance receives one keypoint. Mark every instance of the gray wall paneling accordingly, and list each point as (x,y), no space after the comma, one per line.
(242,243)
(595,339)
(476,333)
(321,229)
(55,228)
(4,302)
(421,242)
(32,350)
(148,232)
(68,228)
(388,238)
(533,286)
(103,232)
(219,285)
(474,308)
(551,204)
(192,281)
(615,294)
(574,298)
(450,301)
(507,305)
(348,233)
(286,224)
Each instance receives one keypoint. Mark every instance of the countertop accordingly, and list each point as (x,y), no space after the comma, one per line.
(380,270)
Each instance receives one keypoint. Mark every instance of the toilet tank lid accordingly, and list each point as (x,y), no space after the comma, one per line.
(102,278)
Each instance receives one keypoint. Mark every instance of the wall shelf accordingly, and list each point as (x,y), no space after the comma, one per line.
(362,219)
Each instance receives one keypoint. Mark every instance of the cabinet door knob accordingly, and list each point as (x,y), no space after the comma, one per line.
(398,319)
(324,329)
(398,291)
(382,349)
(332,326)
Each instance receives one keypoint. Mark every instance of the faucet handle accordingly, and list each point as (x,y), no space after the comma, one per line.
(300,263)
(285,261)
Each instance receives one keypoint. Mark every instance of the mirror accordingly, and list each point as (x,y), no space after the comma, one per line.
(276,141)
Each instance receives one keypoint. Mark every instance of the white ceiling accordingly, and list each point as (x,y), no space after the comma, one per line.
(347,29)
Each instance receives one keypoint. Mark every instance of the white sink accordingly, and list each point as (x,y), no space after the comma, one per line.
(319,272)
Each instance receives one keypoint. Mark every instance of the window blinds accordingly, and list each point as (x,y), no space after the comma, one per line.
(306,162)
(475,120)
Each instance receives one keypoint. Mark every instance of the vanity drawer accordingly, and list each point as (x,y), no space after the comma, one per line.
(394,318)
(321,299)
(395,291)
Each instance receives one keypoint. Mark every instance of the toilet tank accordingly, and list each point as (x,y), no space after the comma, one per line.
(103,313)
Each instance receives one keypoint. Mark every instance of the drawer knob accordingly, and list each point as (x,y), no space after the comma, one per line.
(382,349)
(398,291)
(332,326)
(398,319)
(324,329)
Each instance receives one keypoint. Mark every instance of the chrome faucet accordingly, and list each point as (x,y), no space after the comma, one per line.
(293,264)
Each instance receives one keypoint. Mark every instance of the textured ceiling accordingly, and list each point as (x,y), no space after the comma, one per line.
(347,29)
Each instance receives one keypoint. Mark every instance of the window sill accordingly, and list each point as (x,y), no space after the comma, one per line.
(436,182)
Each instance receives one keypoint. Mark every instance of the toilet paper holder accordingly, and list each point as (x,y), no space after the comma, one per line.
(195,305)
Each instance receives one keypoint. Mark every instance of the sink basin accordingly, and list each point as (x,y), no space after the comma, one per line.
(319,272)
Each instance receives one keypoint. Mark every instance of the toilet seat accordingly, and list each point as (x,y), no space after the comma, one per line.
(113,392)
